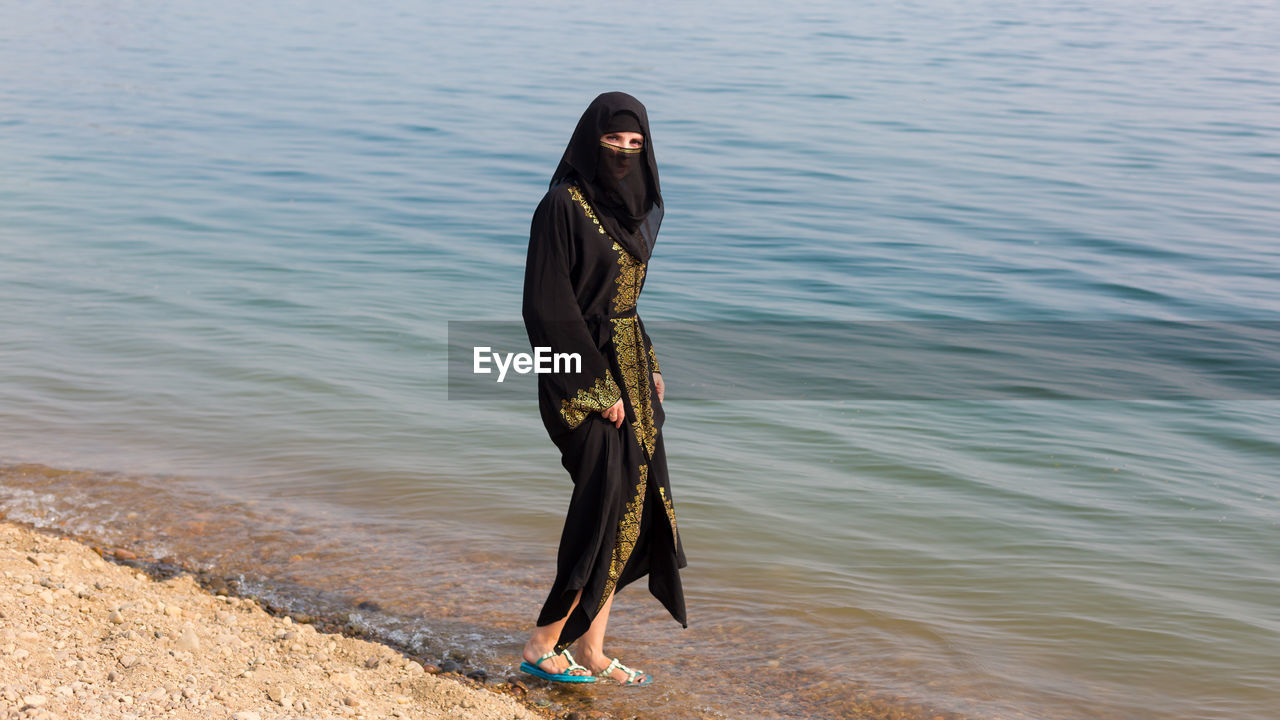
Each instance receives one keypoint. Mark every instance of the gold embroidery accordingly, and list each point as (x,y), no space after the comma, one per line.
(596,397)
(576,194)
(628,533)
(631,273)
(628,339)
(630,278)
(653,360)
(671,511)
(634,364)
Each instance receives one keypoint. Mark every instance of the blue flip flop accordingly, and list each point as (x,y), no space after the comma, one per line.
(564,677)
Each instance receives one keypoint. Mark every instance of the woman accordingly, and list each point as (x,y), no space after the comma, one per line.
(588,246)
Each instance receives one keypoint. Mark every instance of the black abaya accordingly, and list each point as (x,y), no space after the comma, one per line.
(583,276)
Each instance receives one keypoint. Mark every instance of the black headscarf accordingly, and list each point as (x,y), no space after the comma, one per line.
(622,186)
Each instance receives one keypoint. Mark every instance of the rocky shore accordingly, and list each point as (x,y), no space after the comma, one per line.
(85,638)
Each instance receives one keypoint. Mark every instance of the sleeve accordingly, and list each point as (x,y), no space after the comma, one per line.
(553,319)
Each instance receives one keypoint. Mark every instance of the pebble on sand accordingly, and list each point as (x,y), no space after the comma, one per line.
(278,693)
(189,641)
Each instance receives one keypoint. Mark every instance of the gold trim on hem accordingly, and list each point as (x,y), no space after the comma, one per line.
(671,513)
(628,534)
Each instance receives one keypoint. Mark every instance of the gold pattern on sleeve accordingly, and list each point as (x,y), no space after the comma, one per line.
(576,194)
(671,512)
(653,361)
(596,397)
(628,534)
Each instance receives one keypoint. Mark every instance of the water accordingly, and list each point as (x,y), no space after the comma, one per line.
(234,235)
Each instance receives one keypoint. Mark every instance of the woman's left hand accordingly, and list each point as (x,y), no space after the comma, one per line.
(660,386)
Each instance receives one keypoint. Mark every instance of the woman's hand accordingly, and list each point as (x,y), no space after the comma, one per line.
(660,386)
(615,414)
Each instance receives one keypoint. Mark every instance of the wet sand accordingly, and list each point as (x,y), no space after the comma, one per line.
(84,637)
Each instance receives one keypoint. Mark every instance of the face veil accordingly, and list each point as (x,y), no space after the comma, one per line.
(622,183)
(621,180)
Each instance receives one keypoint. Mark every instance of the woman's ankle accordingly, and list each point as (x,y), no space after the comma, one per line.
(593,658)
(537,647)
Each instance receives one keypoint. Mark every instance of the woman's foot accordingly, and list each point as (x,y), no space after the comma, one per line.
(605,667)
(555,664)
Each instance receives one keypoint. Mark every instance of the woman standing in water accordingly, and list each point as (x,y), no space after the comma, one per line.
(588,247)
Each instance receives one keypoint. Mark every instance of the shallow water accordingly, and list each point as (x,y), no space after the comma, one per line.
(235,235)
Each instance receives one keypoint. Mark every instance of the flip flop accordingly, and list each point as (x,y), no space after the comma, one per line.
(634,677)
(564,677)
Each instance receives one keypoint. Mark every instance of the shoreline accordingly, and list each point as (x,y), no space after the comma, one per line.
(331,574)
(93,633)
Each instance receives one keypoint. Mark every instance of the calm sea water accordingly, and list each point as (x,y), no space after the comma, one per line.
(232,236)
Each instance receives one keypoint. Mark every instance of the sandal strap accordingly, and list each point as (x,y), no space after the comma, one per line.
(615,665)
(573,664)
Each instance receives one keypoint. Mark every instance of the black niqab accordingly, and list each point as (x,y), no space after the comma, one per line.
(621,180)
(622,183)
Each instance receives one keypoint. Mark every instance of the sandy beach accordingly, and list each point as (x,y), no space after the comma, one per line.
(84,637)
